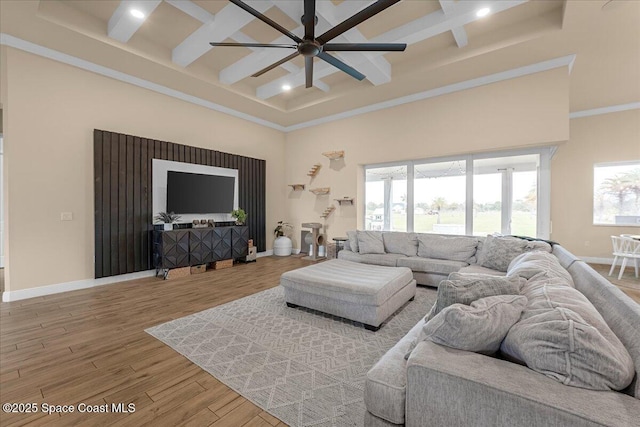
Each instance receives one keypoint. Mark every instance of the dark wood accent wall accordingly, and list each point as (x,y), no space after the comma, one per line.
(123,189)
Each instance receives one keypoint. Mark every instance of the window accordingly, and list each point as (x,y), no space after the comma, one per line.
(479,194)
(616,193)
(386,198)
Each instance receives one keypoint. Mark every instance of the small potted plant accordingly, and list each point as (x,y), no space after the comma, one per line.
(282,246)
(168,218)
(240,215)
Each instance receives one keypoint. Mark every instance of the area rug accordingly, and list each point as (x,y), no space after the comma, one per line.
(302,366)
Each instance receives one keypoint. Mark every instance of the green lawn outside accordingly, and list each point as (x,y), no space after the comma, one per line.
(523,223)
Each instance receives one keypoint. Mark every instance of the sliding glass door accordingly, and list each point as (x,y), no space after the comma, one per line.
(503,192)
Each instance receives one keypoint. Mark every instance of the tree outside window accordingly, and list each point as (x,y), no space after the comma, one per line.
(616,193)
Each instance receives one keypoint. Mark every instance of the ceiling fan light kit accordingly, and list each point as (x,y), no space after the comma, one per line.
(311,46)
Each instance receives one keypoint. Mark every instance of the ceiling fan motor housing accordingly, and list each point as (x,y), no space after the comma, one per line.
(309,48)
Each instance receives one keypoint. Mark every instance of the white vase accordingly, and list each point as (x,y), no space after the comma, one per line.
(282,246)
(168,226)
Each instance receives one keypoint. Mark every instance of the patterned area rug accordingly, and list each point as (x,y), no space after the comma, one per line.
(302,366)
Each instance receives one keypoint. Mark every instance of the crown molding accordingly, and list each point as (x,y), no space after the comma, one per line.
(605,110)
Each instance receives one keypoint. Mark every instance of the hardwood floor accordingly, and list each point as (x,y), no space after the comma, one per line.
(89,346)
(628,283)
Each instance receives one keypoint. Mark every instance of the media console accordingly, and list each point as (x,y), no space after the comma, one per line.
(196,246)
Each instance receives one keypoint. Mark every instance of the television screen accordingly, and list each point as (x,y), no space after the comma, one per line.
(193,193)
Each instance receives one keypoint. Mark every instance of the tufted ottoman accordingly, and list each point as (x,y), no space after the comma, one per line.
(361,292)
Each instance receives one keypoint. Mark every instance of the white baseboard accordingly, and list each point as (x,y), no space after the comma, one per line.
(72,286)
(265,253)
(40,291)
(596,260)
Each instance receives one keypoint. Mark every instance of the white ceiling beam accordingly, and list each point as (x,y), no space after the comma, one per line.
(459,34)
(193,10)
(229,20)
(420,29)
(122,25)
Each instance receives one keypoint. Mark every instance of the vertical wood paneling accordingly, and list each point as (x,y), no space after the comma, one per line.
(97,195)
(129,197)
(123,191)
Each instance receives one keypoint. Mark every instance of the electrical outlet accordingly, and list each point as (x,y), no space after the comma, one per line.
(66,216)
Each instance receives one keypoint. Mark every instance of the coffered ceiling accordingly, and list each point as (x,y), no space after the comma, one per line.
(168,46)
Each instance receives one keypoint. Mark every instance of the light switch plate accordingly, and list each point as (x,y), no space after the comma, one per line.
(66,216)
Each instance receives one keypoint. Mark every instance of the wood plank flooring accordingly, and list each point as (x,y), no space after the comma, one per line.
(89,346)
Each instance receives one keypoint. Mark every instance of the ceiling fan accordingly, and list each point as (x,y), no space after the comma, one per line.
(311,46)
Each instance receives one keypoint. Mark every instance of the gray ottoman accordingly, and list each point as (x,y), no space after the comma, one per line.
(362,292)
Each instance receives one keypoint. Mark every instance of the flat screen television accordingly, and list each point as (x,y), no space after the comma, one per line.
(194,193)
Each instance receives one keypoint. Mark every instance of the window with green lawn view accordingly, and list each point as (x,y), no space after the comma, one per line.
(479,194)
(616,193)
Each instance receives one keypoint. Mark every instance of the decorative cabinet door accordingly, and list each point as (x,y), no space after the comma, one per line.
(240,241)
(221,243)
(171,248)
(201,246)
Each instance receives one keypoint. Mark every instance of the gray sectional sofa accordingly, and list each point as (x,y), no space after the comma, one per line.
(431,257)
(420,383)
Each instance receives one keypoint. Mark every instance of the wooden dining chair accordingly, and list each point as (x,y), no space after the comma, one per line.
(625,248)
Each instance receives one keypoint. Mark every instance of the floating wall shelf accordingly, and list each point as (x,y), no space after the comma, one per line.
(297,187)
(314,170)
(328,212)
(320,191)
(334,155)
(345,201)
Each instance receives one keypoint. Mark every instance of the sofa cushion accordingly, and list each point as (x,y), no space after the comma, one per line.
(562,335)
(387,260)
(498,251)
(454,248)
(353,241)
(538,263)
(400,243)
(479,327)
(370,242)
(385,386)
(426,265)
(478,269)
(466,288)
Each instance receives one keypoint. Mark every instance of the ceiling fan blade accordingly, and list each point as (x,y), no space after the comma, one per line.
(309,19)
(284,46)
(341,65)
(308,71)
(275,64)
(356,19)
(364,47)
(266,20)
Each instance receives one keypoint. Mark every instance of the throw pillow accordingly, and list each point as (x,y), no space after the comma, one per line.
(462,288)
(538,263)
(353,241)
(480,327)
(499,251)
(454,248)
(400,243)
(370,242)
(562,335)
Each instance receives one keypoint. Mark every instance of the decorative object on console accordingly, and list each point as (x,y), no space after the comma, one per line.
(168,218)
(314,239)
(328,211)
(346,200)
(314,170)
(240,215)
(320,191)
(334,155)
(282,245)
(297,187)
